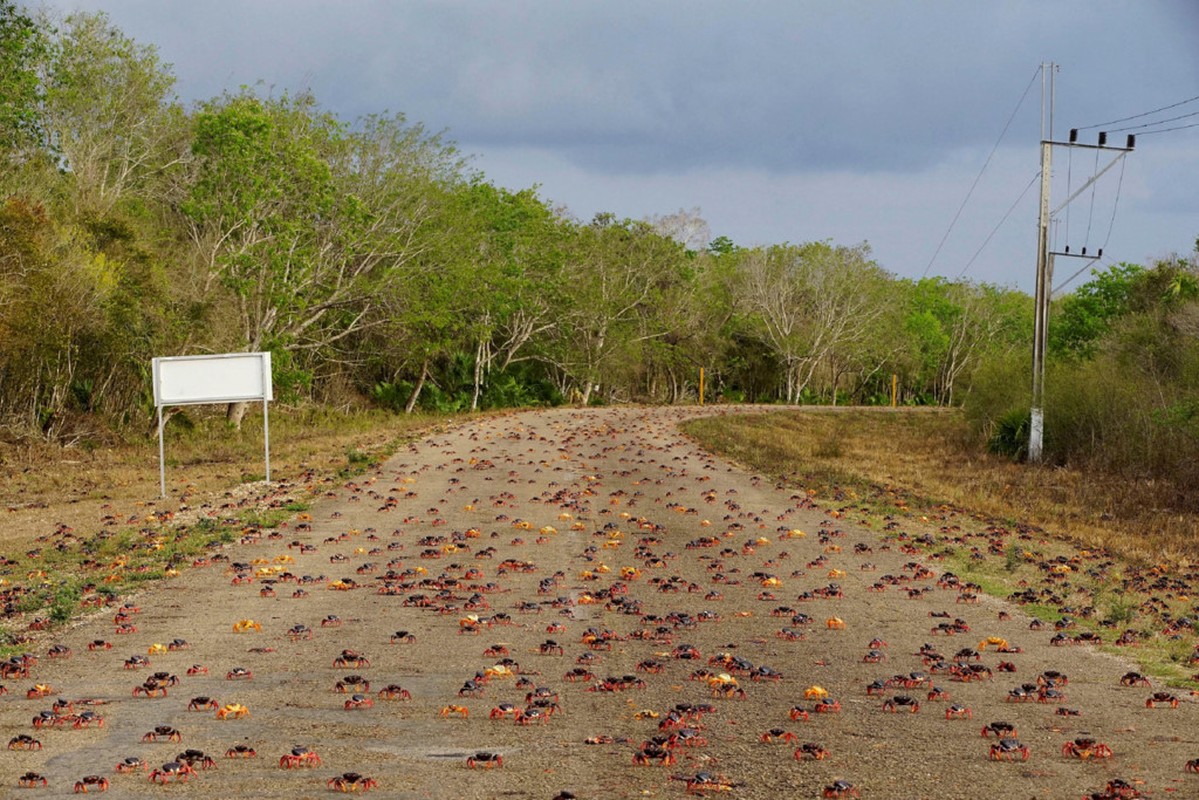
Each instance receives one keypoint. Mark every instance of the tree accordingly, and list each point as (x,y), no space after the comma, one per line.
(685,226)
(806,300)
(612,270)
(1083,318)
(24,45)
(110,115)
(53,299)
(269,228)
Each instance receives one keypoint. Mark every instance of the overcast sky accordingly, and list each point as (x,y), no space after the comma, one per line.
(782,121)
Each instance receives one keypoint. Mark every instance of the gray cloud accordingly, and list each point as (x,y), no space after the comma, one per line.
(853,119)
(673,86)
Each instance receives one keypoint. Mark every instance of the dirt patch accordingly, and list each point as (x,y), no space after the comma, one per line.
(516,510)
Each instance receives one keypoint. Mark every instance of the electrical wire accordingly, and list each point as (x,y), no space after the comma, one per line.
(977,178)
(1102,259)
(1091,266)
(1167,130)
(998,225)
(1091,211)
(1157,122)
(1069,185)
(1143,114)
(1115,205)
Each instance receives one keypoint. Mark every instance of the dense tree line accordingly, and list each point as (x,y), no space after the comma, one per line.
(377,266)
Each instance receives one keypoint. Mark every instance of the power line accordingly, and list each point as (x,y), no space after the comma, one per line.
(1102,259)
(1167,130)
(1143,114)
(1115,205)
(998,225)
(977,178)
(1092,265)
(1091,210)
(1157,122)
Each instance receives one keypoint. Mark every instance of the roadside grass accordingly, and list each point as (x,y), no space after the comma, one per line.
(90,554)
(931,454)
(1108,567)
(203,454)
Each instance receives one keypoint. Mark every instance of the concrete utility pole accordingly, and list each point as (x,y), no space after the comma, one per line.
(1045,257)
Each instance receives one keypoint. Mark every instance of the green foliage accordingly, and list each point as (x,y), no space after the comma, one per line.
(1012,557)
(1083,318)
(23,47)
(65,601)
(375,265)
(1010,436)
(392,395)
(519,386)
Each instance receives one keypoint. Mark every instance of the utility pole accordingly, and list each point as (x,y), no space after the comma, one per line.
(1045,257)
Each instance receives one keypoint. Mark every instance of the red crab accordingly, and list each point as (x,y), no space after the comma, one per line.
(24,741)
(31,779)
(901,702)
(1083,748)
(485,760)
(349,682)
(351,659)
(172,771)
(1161,698)
(504,710)
(958,712)
(196,758)
(203,703)
(839,789)
(999,728)
(1134,679)
(777,735)
(394,691)
(1009,749)
(359,701)
(352,782)
(299,757)
(810,750)
(702,782)
(651,753)
(163,732)
(150,688)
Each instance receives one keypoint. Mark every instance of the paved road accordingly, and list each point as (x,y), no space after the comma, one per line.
(535,516)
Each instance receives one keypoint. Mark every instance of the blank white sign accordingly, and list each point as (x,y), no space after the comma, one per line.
(225,378)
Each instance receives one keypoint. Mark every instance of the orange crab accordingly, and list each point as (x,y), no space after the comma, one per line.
(234,710)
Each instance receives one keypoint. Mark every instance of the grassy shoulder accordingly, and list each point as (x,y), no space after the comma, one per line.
(1033,535)
(85,528)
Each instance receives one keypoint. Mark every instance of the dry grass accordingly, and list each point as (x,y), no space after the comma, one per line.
(928,453)
(913,467)
(82,523)
(42,485)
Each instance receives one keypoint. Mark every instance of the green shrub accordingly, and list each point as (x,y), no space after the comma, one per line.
(1009,436)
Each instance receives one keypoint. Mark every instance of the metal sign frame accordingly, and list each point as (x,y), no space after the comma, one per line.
(220,378)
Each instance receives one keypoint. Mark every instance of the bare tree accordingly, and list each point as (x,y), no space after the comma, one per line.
(806,300)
